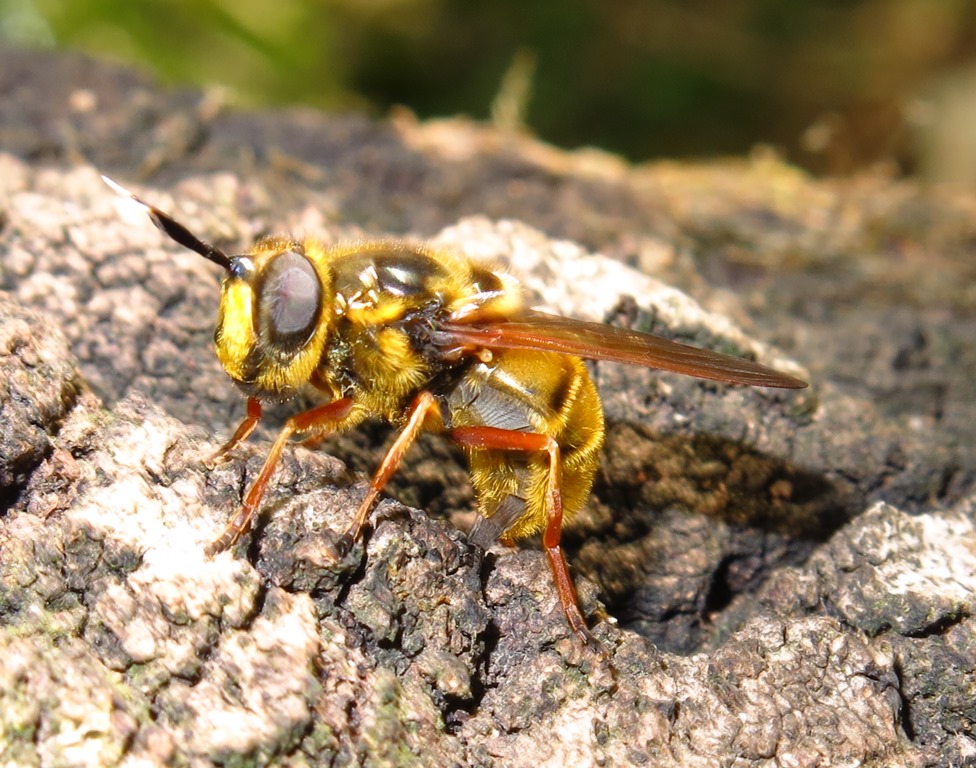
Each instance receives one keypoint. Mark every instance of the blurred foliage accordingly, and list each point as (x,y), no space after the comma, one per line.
(835,84)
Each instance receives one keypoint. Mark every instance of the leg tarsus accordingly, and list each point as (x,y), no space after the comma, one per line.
(236,528)
(567,599)
(342,546)
(242,433)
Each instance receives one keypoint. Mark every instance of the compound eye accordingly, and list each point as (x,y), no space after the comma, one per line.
(290,299)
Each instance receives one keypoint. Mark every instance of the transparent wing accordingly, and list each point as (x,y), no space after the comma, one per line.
(552,333)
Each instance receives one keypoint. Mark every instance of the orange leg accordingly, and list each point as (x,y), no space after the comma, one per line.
(422,405)
(242,433)
(321,417)
(492,438)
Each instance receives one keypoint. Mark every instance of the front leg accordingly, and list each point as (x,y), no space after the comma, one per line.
(318,419)
(242,433)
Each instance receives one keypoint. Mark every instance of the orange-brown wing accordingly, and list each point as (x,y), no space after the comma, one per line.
(552,333)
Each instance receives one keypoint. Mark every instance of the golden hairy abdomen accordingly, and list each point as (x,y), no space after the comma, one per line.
(532,391)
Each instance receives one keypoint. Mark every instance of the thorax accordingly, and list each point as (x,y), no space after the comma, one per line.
(387,299)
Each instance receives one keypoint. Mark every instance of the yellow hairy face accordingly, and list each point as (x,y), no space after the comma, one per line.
(235,336)
(272,325)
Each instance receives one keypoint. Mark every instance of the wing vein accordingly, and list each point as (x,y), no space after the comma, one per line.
(552,333)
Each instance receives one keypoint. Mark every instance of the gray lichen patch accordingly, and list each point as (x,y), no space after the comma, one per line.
(59,705)
(119,574)
(256,692)
(39,383)
(908,573)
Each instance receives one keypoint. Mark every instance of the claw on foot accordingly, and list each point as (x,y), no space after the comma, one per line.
(337,547)
(590,642)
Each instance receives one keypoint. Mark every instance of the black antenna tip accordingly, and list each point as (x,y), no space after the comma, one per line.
(173,229)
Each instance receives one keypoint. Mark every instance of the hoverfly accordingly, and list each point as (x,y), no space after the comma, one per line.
(427,339)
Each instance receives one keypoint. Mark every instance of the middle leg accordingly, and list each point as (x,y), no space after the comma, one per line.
(423,405)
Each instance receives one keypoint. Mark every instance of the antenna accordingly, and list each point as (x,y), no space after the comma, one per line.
(173,228)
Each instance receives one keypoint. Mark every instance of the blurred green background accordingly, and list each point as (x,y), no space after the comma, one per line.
(835,85)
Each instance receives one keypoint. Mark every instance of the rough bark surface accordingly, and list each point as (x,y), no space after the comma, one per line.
(790,576)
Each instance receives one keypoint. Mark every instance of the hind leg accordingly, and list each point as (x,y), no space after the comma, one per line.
(492,438)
